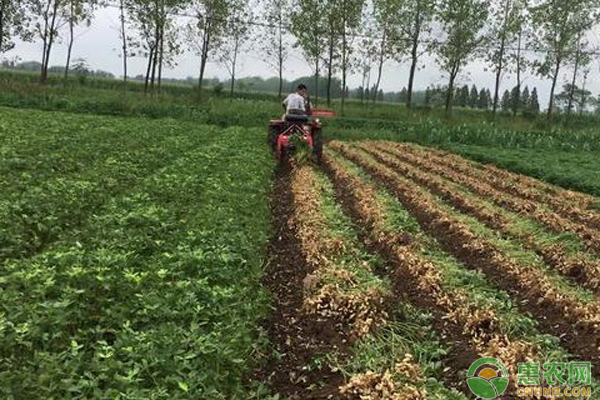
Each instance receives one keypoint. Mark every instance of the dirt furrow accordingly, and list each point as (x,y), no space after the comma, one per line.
(520,183)
(295,337)
(322,303)
(474,332)
(527,208)
(578,267)
(576,324)
(559,205)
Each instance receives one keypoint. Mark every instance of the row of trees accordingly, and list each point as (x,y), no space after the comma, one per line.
(362,35)
(513,101)
(336,37)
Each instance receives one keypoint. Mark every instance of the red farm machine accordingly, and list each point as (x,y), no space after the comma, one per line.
(285,133)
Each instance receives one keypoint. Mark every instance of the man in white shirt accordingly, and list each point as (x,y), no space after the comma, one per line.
(296,105)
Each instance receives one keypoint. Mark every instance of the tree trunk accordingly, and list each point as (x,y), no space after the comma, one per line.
(233,64)
(124,39)
(368,85)
(71,40)
(518,99)
(380,66)
(317,76)
(450,91)
(573,82)
(161,57)
(414,57)
(2,5)
(413,69)
(280,92)
(497,89)
(44,43)
(42,68)
(203,59)
(148,69)
(155,58)
(379,73)
(583,99)
(329,70)
(519,83)
(280,59)
(364,79)
(501,60)
(554,79)
(344,70)
(50,32)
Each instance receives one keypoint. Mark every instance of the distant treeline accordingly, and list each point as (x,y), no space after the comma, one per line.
(80,68)
(515,101)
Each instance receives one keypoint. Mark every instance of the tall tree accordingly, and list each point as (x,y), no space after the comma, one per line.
(237,35)
(461,20)
(349,12)
(506,101)
(76,12)
(207,31)
(483,101)
(427,97)
(573,97)
(506,29)
(463,96)
(366,55)
(158,36)
(585,95)
(534,104)
(13,23)
(48,17)
(581,59)
(276,44)
(384,35)
(473,97)
(415,19)
(560,26)
(123,37)
(515,100)
(333,28)
(525,96)
(311,41)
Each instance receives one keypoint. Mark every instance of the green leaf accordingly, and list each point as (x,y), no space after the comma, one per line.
(183,386)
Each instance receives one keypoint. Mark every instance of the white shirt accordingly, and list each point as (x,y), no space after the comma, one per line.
(294,102)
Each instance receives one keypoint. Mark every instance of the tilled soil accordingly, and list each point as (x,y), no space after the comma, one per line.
(461,353)
(298,342)
(581,341)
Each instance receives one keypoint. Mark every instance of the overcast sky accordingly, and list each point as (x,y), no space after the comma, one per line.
(99,46)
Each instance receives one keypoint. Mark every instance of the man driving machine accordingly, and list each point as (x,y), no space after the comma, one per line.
(297,105)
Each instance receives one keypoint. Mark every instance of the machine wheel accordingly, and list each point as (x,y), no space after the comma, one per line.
(272,137)
(317,145)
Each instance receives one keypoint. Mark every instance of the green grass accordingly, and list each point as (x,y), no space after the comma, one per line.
(577,170)
(564,156)
(430,126)
(155,294)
